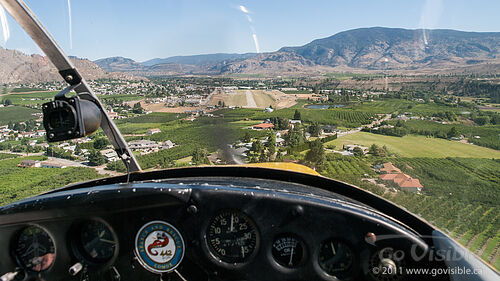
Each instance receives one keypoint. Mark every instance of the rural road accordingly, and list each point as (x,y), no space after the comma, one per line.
(376,122)
(250,100)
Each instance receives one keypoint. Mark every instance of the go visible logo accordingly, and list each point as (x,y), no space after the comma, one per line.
(159,247)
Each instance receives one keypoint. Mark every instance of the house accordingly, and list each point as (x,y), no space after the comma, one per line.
(328,129)
(29,164)
(410,184)
(389,168)
(143,145)
(269,109)
(110,155)
(48,164)
(113,115)
(263,126)
(154,131)
(168,144)
(403,181)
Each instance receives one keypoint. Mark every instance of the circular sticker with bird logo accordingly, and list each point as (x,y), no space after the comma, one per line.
(159,247)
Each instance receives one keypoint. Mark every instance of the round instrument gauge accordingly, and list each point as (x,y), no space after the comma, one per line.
(232,236)
(335,257)
(34,249)
(288,250)
(96,243)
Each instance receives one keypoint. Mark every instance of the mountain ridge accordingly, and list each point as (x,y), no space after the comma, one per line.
(370,48)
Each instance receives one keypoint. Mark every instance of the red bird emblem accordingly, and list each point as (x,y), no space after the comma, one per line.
(160,242)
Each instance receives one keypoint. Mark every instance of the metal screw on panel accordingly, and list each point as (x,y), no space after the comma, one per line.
(298,211)
(192,209)
(68,78)
(51,135)
(70,132)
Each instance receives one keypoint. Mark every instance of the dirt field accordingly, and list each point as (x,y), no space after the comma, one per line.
(261,99)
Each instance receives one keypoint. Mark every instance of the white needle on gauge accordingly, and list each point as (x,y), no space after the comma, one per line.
(333,249)
(107,241)
(291,258)
(232,227)
(242,252)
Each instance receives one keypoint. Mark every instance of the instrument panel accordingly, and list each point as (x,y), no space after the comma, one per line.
(203,231)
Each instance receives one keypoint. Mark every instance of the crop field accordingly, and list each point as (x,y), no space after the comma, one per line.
(30,98)
(17,183)
(335,116)
(401,106)
(418,146)
(21,90)
(121,97)
(16,114)
(7,155)
(345,165)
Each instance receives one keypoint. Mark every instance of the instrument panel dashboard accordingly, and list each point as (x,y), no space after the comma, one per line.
(200,229)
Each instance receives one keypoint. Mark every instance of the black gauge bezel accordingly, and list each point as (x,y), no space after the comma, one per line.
(301,242)
(74,237)
(15,243)
(341,275)
(216,258)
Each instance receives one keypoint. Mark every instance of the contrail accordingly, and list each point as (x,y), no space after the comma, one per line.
(250,21)
(256,41)
(70,26)
(431,13)
(5,24)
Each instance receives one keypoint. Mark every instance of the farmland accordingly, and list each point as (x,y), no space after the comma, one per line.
(418,146)
(17,183)
(16,114)
(488,134)
(401,106)
(334,116)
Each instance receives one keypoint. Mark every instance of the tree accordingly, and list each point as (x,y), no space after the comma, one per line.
(453,133)
(100,143)
(295,136)
(256,152)
(248,137)
(315,129)
(7,102)
(316,155)
(271,144)
(200,156)
(137,108)
(96,158)
(78,149)
(296,115)
(358,152)
(376,150)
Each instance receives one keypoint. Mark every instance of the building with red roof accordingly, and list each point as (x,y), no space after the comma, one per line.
(263,126)
(403,181)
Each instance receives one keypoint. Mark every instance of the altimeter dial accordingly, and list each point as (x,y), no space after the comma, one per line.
(232,237)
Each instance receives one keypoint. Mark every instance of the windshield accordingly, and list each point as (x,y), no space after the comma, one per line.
(401,99)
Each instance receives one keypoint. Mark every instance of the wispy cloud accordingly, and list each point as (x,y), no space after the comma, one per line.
(244,10)
(5,24)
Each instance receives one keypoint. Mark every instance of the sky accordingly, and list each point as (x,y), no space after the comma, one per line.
(148,29)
